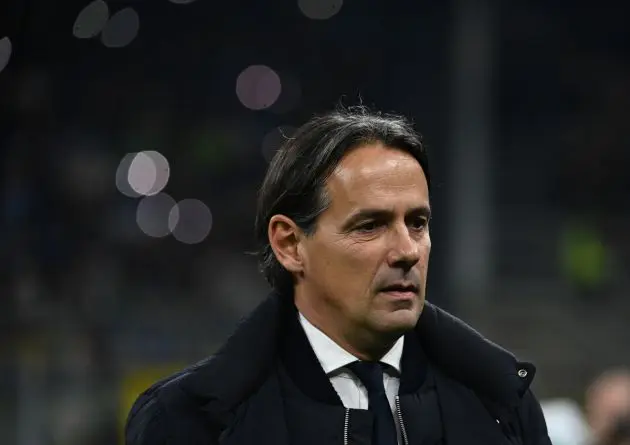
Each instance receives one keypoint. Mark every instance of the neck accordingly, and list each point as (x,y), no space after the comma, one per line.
(357,340)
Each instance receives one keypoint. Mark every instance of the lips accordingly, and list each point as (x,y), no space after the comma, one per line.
(400,287)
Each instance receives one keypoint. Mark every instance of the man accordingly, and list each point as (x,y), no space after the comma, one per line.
(346,350)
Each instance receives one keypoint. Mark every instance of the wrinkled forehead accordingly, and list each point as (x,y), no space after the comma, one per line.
(375,175)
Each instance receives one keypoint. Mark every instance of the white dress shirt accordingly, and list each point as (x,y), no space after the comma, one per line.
(334,360)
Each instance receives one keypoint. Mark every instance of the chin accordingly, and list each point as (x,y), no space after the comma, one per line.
(400,321)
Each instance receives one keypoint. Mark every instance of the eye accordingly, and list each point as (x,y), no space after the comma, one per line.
(368,226)
(419,223)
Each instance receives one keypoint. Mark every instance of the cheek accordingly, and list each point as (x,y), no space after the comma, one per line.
(425,254)
(354,266)
(358,263)
(332,261)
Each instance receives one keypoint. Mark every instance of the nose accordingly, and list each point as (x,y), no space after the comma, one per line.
(405,250)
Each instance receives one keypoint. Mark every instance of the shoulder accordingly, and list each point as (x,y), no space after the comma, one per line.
(493,373)
(146,423)
(196,405)
(165,414)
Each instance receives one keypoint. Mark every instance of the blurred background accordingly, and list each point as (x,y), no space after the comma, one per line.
(134,136)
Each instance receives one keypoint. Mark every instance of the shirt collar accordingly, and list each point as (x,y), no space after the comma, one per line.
(332,357)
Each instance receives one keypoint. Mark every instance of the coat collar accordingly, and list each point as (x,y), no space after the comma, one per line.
(244,362)
(466,356)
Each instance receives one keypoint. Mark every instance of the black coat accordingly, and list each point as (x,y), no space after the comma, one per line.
(239,396)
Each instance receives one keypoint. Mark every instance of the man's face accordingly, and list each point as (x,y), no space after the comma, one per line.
(374,235)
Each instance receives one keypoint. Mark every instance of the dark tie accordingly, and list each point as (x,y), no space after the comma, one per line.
(371,375)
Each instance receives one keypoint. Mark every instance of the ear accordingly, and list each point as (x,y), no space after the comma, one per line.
(284,237)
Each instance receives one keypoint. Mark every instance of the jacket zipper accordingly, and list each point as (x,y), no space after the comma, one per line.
(403,430)
(346,424)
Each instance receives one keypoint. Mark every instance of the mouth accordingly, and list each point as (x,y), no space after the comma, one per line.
(403,291)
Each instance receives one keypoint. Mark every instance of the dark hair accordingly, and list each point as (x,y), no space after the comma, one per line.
(295,181)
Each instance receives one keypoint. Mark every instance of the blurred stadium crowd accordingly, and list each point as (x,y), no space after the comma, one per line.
(94,308)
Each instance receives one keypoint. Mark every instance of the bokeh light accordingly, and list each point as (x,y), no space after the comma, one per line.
(274,140)
(121,29)
(190,221)
(122,176)
(153,215)
(91,20)
(142,174)
(258,87)
(320,9)
(148,173)
(5,52)
(162,170)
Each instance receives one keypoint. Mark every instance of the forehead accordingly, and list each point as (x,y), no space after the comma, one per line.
(376,176)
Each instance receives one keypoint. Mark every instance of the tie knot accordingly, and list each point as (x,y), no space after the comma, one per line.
(370,374)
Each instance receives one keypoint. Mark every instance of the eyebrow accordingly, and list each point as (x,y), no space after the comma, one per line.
(367,214)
